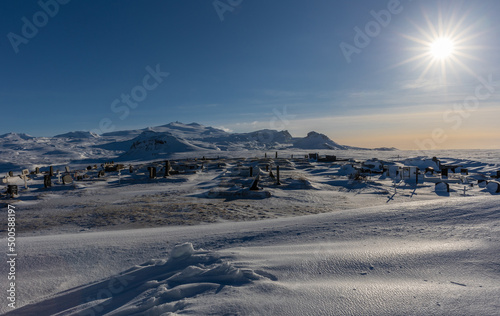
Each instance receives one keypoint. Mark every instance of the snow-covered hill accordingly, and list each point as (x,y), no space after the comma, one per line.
(15,137)
(24,151)
(78,134)
(315,140)
(151,144)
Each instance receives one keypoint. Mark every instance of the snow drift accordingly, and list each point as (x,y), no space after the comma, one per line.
(421,258)
(153,288)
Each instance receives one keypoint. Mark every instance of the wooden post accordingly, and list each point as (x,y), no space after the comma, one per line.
(167,168)
(47,182)
(152,172)
(278,175)
(37,170)
(51,171)
(131,169)
(267,168)
(276,155)
(265,155)
(251,171)
(444,172)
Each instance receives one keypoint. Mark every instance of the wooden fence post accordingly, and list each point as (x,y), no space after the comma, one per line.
(167,168)
(278,175)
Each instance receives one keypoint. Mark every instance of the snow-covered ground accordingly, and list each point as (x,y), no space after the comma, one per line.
(418,258)
(362,235)
(218,190)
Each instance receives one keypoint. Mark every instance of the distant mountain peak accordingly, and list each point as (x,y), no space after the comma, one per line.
(154,144)
(16,136)
(78,134)
(315,140)
(316,134)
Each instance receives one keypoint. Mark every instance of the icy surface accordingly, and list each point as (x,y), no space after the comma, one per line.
(421,258)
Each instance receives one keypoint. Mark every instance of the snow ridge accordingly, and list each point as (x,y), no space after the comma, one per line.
(153,288)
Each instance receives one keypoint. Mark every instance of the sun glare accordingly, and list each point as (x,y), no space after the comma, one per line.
(442,48)
(442,44)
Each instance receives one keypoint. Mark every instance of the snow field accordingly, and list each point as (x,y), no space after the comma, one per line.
(427,257)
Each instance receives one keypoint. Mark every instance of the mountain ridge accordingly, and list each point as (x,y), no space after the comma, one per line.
(149,143)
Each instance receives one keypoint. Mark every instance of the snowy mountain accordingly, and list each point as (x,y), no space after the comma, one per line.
(19,150)
(16,136)
(315,140)
(152,144)
(78,134)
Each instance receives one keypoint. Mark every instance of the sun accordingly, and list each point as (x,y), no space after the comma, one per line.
(441,43)
(442,48)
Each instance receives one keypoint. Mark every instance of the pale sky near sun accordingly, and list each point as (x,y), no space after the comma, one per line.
(406,74)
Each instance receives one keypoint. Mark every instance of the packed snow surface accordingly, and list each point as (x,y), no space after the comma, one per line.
(420,258)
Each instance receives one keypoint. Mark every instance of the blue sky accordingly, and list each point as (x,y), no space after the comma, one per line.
(250,64)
